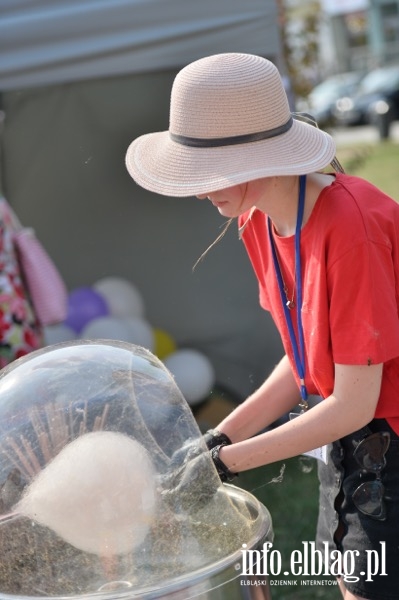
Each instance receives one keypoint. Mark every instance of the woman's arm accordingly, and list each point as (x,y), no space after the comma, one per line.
(277,395)
(351,406)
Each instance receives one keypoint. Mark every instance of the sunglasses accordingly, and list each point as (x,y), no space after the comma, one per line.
(370,455)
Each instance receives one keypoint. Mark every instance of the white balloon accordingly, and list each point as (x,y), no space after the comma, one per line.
(122,297)
(133,331)
(98,494)
(140,333)
(55,334)
(106,328)
(193,372)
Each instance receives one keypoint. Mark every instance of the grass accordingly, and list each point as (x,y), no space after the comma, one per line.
(378,163)
(292,499)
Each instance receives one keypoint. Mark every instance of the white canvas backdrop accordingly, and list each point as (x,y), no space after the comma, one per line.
(80,80)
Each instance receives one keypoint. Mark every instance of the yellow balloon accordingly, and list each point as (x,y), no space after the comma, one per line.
(164,344)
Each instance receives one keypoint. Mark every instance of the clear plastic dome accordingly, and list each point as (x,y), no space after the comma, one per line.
(105,482)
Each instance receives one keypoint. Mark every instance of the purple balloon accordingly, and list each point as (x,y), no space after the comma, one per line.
(84,305)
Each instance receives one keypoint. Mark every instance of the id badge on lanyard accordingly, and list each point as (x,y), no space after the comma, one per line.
(298,345)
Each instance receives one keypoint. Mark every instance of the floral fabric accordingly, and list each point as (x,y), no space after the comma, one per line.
(20,331)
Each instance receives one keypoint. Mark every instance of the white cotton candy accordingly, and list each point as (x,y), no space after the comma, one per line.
(98,494)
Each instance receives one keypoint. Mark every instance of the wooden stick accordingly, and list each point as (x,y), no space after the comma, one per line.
(24,462)
(31,455)
(16,463)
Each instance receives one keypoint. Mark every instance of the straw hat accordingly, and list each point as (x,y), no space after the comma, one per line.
(230,123)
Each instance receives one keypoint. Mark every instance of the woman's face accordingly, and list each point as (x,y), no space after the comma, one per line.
(236,200)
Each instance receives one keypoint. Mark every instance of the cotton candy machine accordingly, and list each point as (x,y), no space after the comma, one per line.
(107,490)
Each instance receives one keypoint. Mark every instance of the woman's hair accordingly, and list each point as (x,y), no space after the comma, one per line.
(307,118)
(219,237)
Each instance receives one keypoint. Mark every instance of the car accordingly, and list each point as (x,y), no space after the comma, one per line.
(376,101)
(322,98)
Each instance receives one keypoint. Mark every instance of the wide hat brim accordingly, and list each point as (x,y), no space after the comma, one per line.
(161,165)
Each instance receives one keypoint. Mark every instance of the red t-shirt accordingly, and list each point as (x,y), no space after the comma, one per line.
(350,281)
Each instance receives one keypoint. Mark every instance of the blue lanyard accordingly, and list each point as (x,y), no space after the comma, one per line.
(298,346)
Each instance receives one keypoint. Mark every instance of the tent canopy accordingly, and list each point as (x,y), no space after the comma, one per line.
(47,42)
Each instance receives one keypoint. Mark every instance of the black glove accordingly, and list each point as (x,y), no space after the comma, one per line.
(194,448)
(188,470)
(187,482)
(213,438)
(224,472)
(189,486)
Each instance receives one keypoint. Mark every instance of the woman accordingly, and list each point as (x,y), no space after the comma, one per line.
(324,247)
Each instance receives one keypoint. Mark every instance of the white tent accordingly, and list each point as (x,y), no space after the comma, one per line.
(80,80)
(47,42)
